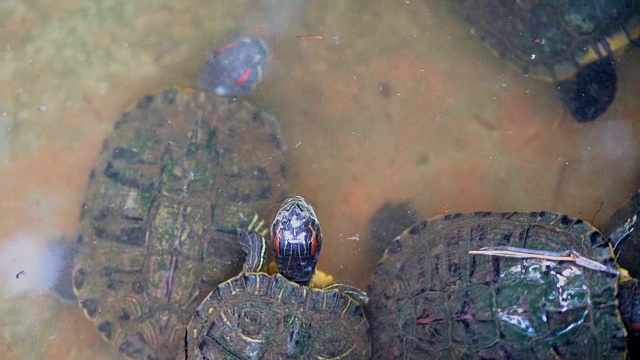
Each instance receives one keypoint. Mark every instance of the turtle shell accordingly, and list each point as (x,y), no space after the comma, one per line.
(552,40)
(182,171)
(431,299)
(258,316)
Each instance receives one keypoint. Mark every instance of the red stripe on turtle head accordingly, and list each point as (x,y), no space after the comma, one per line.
(226,47)
(244,77)
(314,241)
(276,243)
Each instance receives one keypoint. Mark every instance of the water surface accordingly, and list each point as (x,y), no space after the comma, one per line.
(399,101)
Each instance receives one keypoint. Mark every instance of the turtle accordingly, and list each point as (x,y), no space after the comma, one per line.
(554,290)
(391,219)
(255,315)
(182,172)
(567,42)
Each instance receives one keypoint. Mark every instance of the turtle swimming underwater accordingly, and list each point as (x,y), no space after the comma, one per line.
(431,298)
(259,316)
(391,219)
(567,42)
(181,173)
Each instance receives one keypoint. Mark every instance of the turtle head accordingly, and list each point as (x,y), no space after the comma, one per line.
(296,240)
(234,69)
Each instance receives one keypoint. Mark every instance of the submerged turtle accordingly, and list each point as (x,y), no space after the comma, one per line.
(563,41)
(564,298)
(181,173)
(259,316)
(389,221)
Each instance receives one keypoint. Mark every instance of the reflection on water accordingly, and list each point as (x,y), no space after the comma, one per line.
(453,128)
(24,259)
(561,289)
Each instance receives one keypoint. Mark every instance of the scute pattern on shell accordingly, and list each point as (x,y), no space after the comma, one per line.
(431,299)
(258,316)
(181,173)
(550,40)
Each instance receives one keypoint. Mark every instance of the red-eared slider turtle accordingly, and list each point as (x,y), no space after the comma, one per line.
(181,173)
(431,298)
(259,316)
(569,42)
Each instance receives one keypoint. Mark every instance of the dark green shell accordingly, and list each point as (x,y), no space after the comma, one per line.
(431,299)
(552,40)
(181,172)
(257,316)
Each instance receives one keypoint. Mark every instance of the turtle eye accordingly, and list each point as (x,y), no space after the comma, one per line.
(314,241)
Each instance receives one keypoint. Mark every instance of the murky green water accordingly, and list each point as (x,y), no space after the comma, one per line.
(398,101)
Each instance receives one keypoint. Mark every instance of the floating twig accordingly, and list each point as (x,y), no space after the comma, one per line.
(569,255)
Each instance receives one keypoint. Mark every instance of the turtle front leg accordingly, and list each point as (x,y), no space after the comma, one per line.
(351,292)
(253,245)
